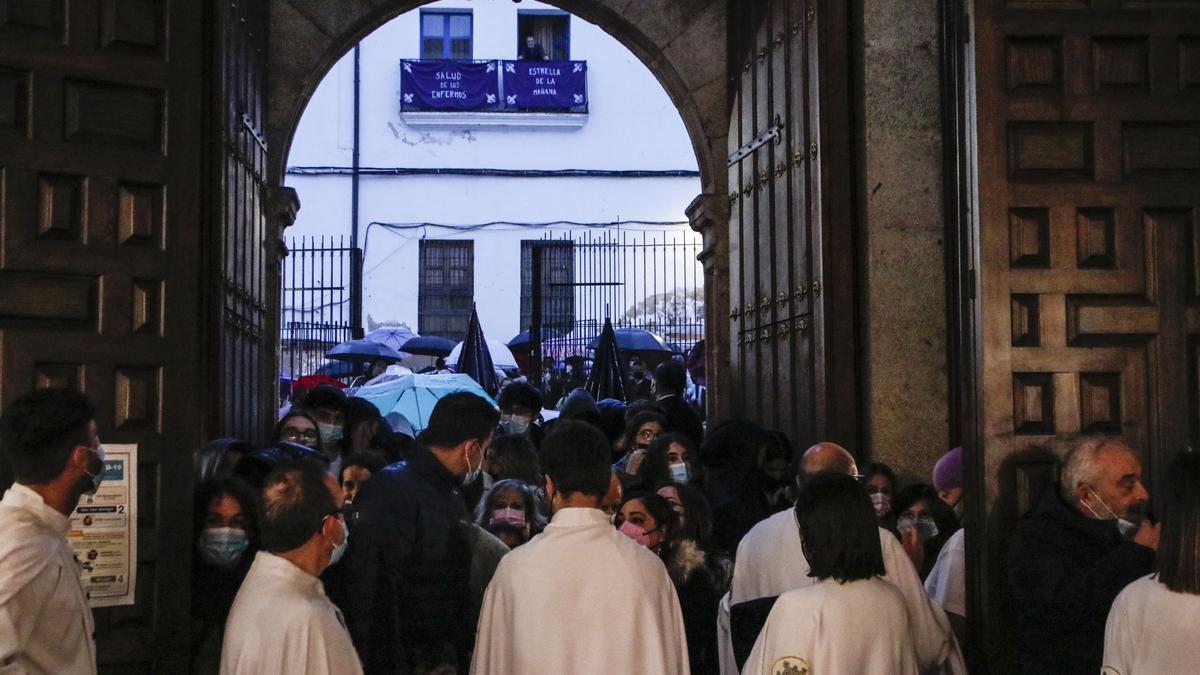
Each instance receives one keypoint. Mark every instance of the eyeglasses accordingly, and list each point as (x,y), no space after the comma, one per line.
(297,436)
(647,433)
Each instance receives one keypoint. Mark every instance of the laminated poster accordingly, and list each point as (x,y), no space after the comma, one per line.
(103,531)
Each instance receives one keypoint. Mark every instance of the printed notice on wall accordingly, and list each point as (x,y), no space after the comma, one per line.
(103,531)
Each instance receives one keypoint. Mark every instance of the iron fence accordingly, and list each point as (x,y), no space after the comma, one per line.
(321,304)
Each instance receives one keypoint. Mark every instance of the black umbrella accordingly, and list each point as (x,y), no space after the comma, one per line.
(429,345)
(475,359)
(606,380)
(636,340)
(520,341)
(363,350)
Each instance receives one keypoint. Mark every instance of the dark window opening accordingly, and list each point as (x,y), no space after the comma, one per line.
(446,35)
(446,288)
(551,31)
(558,289)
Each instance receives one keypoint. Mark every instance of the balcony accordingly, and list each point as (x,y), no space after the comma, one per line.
(493,94)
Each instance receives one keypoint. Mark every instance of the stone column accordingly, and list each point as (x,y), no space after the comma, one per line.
(709,215)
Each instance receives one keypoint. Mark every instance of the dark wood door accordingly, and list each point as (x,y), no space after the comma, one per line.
(101,148)
(791,261)
(244,281)
(1089,183)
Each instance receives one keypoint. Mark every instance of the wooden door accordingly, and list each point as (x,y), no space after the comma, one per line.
(100,180)
(1089,181)
(791,262)
(244,276)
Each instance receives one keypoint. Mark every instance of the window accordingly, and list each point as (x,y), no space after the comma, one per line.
(550,30)
(447,288)
(445,35)
(558,286)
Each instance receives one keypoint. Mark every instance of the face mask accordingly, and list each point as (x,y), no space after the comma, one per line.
(97,477)
(515,424)
(882,504)
(330,433)
(508,517)
(926,528)
(679,472)
(222,546)
(636,532)
(1127,528)
(472,474)
(339,549)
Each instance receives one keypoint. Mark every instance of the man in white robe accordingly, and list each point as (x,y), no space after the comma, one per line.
(770,561)
(49,439)
(580,597)
(281,622)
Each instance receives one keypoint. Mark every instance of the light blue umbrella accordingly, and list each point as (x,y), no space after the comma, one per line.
(414,396)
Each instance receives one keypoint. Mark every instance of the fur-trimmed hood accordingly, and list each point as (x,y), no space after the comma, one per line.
(684,559)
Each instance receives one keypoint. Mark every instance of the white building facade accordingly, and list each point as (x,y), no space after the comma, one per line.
(445,199)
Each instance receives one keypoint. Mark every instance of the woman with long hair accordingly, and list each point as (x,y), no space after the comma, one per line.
(1152,624)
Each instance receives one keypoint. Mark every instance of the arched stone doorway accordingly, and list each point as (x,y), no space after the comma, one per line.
(663,34)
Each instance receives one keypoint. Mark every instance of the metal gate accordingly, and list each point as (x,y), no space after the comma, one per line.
(321,304)
(572,282)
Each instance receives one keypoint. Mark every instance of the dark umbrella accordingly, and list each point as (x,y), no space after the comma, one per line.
(392,337)
(606,379)
(363,350)
(636,340)
(429,345)
(475,359)
(338,369)
(520,341)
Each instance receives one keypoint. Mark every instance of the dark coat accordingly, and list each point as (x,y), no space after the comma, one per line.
(1065,570)
(700,580)
(404,582)
(681,419)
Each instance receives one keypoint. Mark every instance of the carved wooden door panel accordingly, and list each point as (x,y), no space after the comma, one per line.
(245,274)
(1089,182)
(100,176)
(791,265)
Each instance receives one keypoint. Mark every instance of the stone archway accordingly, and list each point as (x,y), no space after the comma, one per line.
(682,42)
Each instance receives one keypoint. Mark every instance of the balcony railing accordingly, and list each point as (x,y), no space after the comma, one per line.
(497,86)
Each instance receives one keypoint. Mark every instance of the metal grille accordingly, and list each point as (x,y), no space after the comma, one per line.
(447,287)
(321,302)
(648,280)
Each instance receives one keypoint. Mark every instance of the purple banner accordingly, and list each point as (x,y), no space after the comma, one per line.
(449,85)
(545,84)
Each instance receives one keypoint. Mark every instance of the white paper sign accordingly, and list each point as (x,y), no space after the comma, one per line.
(103,531)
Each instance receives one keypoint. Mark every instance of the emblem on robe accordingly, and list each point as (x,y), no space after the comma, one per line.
(791,665)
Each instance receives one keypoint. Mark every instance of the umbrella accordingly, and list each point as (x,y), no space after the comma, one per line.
(333,369)
(520,341)
(392,336)
(363,350)
(636,340)
(502,356)
(474,358)
(414,396)
(606,379)
(429,345)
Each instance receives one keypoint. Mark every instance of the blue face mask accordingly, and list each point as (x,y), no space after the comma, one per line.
(340,549)
(97,477)
(222,546)
(679,472)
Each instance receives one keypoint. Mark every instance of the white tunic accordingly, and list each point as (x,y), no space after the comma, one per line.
(281,622)
(1152,629)
(580,598)
(947,581)
(858,627)
(770,561)
(45,622)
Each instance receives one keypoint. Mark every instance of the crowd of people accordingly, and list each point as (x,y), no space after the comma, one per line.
(615,538)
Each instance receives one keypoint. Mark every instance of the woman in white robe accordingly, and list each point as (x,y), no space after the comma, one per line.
(823,628)
(1152,624)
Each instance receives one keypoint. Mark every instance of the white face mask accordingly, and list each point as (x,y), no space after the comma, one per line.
(926,528)
(340,549)
(515,424)
(1127,528)
(679,472)
(882,504)
(97,477)
(330,434)
(472,474)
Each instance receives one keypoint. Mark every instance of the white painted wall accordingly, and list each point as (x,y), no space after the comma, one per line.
(631,125)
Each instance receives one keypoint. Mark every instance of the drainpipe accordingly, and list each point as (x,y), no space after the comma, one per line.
(354,155)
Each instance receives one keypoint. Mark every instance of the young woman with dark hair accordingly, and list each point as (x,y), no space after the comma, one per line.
(924,523)
(671,458)
(820,628)
(1152,624)
(640,432)
(880,482)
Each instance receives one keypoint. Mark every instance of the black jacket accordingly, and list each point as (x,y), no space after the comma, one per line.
(1065,570)
(403,584)
(700,579)
(681,419)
